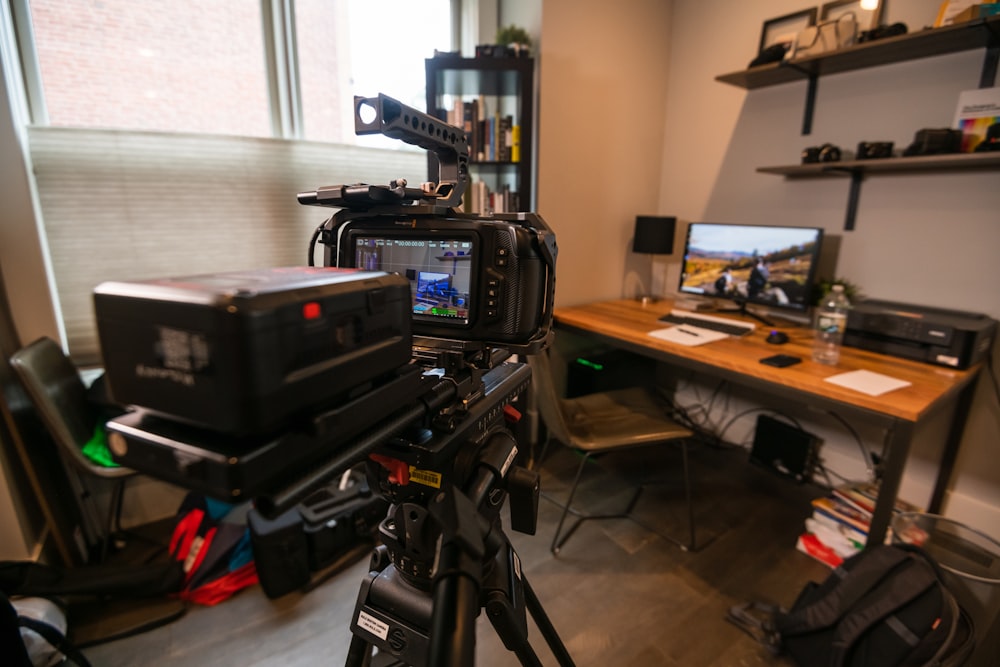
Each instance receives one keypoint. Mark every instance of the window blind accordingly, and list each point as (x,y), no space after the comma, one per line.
(128,205)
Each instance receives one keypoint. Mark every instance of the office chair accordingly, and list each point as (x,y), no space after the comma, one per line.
(600,423)
(55,388)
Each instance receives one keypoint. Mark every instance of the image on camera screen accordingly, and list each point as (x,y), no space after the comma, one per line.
(439,271)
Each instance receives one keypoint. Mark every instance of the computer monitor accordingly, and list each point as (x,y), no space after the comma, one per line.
(770,265)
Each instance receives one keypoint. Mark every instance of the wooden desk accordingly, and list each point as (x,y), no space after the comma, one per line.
(625,324)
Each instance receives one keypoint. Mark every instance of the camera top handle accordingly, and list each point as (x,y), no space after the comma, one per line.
(390,117)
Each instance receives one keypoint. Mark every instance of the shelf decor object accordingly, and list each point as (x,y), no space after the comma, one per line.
(784,28)
(868,19)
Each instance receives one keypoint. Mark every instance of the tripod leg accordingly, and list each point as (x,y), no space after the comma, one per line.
(359,654)
(545,626)
(511,633)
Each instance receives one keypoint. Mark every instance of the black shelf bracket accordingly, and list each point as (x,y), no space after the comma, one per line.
(853,195)
(988,77)
(807,115)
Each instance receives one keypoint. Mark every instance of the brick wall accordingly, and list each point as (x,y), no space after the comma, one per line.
(185,65)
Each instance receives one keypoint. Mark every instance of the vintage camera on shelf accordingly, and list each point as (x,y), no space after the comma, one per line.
(991,142)
(881,32)
(935,141)
(874,150)
(823,153)
(267,384)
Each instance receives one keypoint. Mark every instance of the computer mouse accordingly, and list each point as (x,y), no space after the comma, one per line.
(777,337)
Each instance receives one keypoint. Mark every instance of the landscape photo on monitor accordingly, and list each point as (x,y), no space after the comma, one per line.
(760,264)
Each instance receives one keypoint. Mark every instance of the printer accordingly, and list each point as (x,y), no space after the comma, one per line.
(951,338)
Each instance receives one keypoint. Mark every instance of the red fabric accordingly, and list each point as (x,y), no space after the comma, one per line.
(184,532)
(190,544)
(223,588)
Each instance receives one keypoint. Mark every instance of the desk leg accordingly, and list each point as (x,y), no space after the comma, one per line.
(962,408)
(898,450)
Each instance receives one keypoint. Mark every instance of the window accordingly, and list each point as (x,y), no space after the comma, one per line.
(385,50)
(183,65)
(179,132)
(195,66)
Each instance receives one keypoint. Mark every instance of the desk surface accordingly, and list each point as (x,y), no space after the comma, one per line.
(626,322)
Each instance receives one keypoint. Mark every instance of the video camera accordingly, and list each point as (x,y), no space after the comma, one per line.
(265,384)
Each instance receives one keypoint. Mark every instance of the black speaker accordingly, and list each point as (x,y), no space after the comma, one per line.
(783,448)
(654,234)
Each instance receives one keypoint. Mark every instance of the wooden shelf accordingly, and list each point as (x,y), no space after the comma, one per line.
(858,169)
(990,160)
(928,42)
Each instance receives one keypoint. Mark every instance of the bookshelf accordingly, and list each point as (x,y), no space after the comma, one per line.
(494,99)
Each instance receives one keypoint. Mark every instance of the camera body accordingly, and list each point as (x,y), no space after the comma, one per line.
(874,150)
(472,279)
(824,153)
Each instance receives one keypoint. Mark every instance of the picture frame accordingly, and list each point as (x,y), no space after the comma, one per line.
(867,19)
(783,29)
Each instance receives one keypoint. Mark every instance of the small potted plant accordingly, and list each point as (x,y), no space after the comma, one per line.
(516,39)
(824,285)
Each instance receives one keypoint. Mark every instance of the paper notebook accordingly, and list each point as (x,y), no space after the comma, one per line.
(868,382)
(688,335)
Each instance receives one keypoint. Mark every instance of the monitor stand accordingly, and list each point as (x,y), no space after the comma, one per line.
(742,310)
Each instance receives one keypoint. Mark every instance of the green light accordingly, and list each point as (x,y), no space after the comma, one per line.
(589,364)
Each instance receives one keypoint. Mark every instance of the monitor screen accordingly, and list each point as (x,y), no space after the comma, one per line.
(439,270)
(763,264)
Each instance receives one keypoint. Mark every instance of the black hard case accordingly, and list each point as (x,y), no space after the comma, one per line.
(241,352)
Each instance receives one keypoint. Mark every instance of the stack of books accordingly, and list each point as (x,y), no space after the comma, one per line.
(492,136)
(479,198)
(838,527)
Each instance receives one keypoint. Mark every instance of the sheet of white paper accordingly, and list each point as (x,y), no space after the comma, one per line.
(688,335)
(868,382)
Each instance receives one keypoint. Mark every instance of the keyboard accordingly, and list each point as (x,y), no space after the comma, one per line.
(720,324)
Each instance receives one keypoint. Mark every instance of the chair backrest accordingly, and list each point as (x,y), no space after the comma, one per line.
(54,385)
(547,397)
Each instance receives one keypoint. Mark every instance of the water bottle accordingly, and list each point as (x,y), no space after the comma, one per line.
(831,321)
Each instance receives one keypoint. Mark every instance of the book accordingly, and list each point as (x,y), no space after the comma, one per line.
(849,533)
(842,513)
(810,545)
(834,537)
(869,492)
(977,110)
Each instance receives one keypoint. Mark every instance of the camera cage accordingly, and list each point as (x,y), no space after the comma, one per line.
(407,209)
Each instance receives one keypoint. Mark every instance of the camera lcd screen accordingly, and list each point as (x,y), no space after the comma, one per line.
(439,270)
(762,264)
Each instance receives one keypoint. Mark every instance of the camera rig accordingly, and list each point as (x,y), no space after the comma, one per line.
(478,281)
(390,117)
(266,384)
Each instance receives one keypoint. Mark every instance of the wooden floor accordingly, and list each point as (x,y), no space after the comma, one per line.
(617,593)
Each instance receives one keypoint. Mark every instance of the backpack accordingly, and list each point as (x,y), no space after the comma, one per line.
(35,634)
(883,607)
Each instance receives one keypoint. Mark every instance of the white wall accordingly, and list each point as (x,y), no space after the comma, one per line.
(609,70)
(602,104)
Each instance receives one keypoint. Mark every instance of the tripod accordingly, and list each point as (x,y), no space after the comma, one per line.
(421,612)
